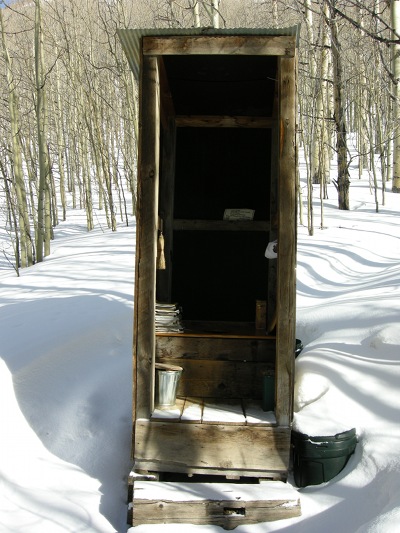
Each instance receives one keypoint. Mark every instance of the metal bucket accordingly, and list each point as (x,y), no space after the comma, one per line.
(167,383)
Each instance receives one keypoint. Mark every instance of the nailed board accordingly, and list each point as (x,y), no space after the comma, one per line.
(252,451)
(224,504)
(215,379)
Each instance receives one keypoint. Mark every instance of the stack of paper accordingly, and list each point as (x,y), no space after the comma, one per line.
(168,317)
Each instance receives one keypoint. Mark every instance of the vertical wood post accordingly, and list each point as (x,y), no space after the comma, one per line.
(146,246)
(286,287)
(166,208)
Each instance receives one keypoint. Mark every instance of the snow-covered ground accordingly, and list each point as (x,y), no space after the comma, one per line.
(65,375)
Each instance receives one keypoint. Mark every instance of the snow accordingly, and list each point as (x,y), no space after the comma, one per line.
(65,375)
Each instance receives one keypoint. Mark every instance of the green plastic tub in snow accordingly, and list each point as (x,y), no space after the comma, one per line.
(319,459)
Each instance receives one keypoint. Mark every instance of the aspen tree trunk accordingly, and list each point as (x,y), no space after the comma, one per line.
(125,138)
(314,126)
(196,14)
(215,17)
(87,184)
(29,155)
(362,119)
(372,164)
(310,215)
(47,219)
(42,236)
(61,144)
(343,181)
(71,162)
(389,159)
(212,10)
(361,133)
(395,13)
(25,253)
(380,129)
(322,172)
(11,216)
(275,12)
(130,153)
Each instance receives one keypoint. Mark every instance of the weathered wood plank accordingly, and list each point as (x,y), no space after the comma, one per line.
(286,281)
(223,121)
(187,347)
(167,103)
(273,235)
(221,379)
(147,214)
(206,448)
(234,330)
(221,329)
(272,45)
(225,504)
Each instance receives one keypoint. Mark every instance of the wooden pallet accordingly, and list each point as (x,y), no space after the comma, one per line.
(227,505)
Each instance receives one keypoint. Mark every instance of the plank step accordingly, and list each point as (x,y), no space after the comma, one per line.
(224,504)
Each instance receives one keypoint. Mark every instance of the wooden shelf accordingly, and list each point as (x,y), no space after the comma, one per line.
(217,330)
(221,225)
(224,121)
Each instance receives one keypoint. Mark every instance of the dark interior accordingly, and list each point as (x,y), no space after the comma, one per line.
(219,168)
(218,275)
(222,85)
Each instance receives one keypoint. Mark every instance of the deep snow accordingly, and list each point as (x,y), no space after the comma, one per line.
(65,375)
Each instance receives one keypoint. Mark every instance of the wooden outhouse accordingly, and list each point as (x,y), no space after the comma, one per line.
(216,188)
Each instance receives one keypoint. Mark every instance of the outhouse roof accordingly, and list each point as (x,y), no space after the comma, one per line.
(131,38)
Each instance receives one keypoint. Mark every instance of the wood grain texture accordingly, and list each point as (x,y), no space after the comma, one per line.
(221,379)
(270,45)
(147,222)
(224,504)
(286,282)
(202,448)
(223,121)
(215,348)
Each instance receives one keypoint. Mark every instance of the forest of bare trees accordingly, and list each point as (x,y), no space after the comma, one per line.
(68,106)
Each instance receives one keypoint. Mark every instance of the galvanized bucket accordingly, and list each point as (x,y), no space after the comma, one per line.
(167,384)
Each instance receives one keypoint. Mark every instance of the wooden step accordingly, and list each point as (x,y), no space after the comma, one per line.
(213,449)
(227,505)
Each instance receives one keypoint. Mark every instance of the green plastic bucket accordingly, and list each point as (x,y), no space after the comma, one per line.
(319,459)
(268,393)
(299,348)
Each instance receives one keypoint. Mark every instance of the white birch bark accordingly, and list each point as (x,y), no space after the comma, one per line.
(215,10)
(343,181)
(42,236)
(395,13)
(25,252)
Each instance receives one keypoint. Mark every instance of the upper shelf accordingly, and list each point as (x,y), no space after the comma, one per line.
(222,225)
(219,329)
(223,121)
